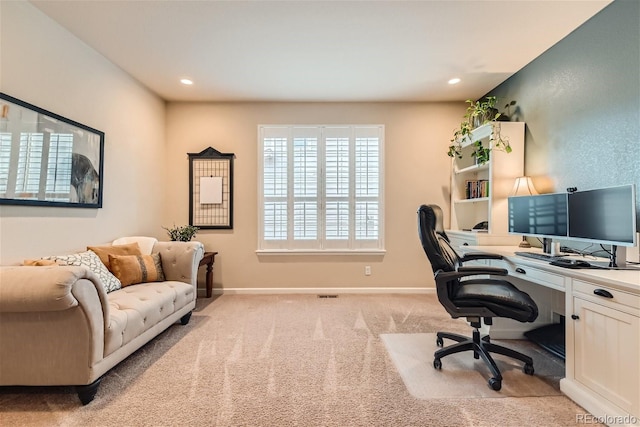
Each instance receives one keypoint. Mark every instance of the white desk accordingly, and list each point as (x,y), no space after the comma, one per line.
(602,332)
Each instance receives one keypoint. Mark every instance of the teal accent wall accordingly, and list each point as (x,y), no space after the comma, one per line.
(581,103)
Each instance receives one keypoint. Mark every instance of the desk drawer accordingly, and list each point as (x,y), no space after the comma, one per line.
(532,274)
(617,297)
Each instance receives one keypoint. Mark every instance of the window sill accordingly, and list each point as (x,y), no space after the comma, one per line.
(352,252)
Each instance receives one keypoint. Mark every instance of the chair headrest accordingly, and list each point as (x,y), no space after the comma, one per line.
(435,243)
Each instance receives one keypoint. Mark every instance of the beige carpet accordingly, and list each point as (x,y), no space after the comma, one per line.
(283,360)
(461,374)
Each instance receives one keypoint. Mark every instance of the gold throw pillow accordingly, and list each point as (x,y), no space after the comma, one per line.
(134,269)
(103,252)
(39,262)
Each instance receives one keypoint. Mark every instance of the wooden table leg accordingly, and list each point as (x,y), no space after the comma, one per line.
(208,259)
(210,278)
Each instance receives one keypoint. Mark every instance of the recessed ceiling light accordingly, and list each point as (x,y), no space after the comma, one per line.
(186,81)
(454,81)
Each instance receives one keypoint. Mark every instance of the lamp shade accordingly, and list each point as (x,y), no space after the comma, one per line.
(523,187)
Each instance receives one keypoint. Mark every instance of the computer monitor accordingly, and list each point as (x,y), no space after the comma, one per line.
(543,215)
(604,215)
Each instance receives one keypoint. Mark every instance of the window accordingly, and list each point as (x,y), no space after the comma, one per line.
(321,188)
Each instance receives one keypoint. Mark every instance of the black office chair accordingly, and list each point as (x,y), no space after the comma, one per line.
(477,299)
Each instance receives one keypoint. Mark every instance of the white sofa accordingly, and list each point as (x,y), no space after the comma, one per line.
(59,326)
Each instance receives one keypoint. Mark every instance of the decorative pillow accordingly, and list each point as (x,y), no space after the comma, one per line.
(90,260)
(39,262)
(134,269)
(104,251)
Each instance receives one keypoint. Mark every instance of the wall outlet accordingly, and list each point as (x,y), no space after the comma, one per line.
(367,270)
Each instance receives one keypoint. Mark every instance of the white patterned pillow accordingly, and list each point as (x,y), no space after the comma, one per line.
(90,260)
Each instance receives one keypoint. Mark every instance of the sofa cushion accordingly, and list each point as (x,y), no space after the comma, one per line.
(91,261)
(134,269)
(104,251)
(134,309)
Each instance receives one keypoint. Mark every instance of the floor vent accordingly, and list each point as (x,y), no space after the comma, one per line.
(327,296)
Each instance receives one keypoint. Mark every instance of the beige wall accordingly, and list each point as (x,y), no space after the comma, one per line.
(146,165)
(416,168)
(43,64)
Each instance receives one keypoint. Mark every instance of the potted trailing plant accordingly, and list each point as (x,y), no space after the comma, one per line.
(183,233)
(479,113)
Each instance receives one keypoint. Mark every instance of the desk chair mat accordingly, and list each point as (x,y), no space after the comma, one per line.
(463,376)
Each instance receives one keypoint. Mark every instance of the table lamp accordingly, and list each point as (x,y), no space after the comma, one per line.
(523,187)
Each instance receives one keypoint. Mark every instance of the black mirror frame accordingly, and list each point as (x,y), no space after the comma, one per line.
(84,177)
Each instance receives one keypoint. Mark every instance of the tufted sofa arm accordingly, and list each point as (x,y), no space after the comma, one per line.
(52,320)
(47,288)
(180,260)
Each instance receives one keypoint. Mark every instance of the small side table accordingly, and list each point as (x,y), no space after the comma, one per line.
(208,259)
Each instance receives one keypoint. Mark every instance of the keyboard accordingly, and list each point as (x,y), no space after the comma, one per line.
(539,256)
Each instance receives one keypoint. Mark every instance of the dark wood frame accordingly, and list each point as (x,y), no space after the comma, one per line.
(81,163)
(213,155)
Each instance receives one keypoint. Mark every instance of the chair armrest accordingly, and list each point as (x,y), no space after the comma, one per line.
(180,260)
(469,271)
(481,269)
(471,256)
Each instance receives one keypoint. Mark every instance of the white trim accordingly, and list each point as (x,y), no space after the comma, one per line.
(323,291)
(269,252)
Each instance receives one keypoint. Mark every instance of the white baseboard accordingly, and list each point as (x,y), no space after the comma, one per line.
(319,291)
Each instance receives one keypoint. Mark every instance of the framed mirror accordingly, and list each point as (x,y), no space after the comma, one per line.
(47,159)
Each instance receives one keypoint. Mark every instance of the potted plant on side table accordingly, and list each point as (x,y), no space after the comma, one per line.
(182,233)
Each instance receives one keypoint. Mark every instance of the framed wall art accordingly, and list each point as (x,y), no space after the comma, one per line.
(47,159)
(211,189)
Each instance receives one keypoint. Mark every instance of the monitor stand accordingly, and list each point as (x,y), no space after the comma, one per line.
(618,256)
(548,247)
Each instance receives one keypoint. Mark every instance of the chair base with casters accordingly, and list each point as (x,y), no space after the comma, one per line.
(481,347)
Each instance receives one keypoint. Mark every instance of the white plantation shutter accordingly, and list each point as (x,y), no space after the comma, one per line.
(59,167)
(29,165)
(275,181)
(321,188)
(337,181)
(367,180)
(5,159)
(41,156)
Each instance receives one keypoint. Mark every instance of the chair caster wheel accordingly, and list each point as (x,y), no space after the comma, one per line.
(528,369)
(439,342)
(437,364)
(495,384)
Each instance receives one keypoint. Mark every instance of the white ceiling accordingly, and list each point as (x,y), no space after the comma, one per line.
(321,50)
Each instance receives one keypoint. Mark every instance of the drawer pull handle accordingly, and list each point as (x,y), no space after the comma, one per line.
(575,317)
(603,293)
(520,270)
(465,244)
